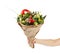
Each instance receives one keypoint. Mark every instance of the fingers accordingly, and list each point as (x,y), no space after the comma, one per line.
(31,42)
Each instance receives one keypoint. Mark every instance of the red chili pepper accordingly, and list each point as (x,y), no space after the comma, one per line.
(25,10)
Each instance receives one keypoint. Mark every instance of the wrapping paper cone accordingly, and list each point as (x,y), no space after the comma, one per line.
(30,32)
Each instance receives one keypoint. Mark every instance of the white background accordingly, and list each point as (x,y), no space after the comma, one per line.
(12,38)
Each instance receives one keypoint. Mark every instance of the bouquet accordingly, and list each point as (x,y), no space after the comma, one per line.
(30,22)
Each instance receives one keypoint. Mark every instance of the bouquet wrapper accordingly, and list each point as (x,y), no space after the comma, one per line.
(30,32)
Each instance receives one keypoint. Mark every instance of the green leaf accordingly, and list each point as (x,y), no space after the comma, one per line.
(27,23)
(44,17)
(20,15)
(36,19)
(40,21)
(26,15)
(18,19)
(41,17)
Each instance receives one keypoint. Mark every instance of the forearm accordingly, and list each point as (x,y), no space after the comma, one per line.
(48,42)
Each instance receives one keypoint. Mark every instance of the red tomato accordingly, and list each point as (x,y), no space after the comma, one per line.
(31,20)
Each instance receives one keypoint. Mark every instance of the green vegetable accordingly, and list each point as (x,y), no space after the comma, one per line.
(38,15)
(40,21)
(20,15)
(38,18)
(23,22)
(26,15)
(35,16)
(41,17)
(35,23)
(44,17)
(18,19)
(26,23)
